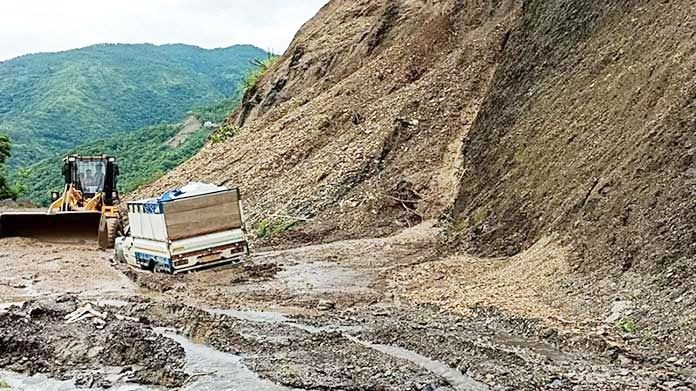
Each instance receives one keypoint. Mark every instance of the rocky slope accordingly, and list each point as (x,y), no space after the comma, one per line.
(360,124)
(517,122)
(516,119)
(589,129)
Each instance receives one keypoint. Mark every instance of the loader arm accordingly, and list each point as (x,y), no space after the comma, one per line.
(94,204)
(69,201)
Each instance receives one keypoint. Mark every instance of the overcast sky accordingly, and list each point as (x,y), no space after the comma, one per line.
(31,26)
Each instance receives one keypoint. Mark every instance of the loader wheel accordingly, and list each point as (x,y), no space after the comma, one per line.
(108,230)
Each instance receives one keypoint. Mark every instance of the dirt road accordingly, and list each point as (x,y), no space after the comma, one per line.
(338,316)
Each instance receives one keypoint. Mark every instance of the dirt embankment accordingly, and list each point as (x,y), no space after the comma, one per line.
(588,133)
(589,129)
(358,128)
(557,135)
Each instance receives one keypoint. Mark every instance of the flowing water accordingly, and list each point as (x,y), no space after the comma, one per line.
(210,370)
(20,382)
(214,370)
(454,377)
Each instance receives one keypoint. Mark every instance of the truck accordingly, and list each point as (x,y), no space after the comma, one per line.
(199,226)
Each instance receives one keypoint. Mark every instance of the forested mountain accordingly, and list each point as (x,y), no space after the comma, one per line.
(51,102)
(143,155)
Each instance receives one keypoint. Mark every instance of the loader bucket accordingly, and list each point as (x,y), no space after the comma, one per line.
(63,227)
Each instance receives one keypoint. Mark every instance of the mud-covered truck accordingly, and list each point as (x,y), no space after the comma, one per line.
(199,226)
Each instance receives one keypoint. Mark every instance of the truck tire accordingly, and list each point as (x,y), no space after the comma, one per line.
(159,268)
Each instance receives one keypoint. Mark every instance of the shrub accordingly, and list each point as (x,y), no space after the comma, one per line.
(224,133)
(267,228)
(256,73)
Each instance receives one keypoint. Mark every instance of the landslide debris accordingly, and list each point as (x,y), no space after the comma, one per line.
(589,133)
(356,131)
(35,338)
(514,121)
(589,130)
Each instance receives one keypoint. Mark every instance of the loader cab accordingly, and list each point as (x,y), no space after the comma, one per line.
(92,175)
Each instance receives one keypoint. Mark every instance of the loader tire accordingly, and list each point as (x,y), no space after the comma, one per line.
(108,231)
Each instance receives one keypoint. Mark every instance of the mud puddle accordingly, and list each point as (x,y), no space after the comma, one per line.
(213,370)
(454,377)
(277,317)
(40,382)
(324,277)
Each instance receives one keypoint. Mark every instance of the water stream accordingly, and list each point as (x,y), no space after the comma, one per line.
(214,370)
(211,370)
(39,382)
(454,377)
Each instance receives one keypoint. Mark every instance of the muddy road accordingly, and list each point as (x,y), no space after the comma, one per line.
(325,317)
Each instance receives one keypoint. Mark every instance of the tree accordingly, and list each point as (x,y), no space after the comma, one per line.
(4,149)
(5,190)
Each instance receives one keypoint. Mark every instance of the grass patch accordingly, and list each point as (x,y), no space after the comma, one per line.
(224,133)
(260,67)
(627,324)
(4,384)
(268,228)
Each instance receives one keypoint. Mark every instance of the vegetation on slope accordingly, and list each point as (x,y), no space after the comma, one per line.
(5,191)
(255,74)
(55,101)
(143,155)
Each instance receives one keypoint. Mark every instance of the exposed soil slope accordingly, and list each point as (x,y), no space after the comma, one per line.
(360,124)
(589,128)
(519,120)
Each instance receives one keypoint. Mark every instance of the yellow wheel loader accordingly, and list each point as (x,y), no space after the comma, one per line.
(88,206)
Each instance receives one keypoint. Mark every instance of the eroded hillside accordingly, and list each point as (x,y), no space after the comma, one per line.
(360,124)
(590,129)
(533,117)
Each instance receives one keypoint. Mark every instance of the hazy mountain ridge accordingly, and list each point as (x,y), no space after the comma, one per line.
(54,101)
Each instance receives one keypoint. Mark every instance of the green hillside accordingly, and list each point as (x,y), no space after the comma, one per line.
(55,101)
(143,155)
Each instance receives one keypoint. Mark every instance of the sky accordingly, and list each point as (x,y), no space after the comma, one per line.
(32,26)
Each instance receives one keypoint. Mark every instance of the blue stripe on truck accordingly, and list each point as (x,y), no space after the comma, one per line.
(154,208)
(144,259)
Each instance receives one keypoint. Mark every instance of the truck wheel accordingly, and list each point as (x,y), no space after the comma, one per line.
(159,268)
